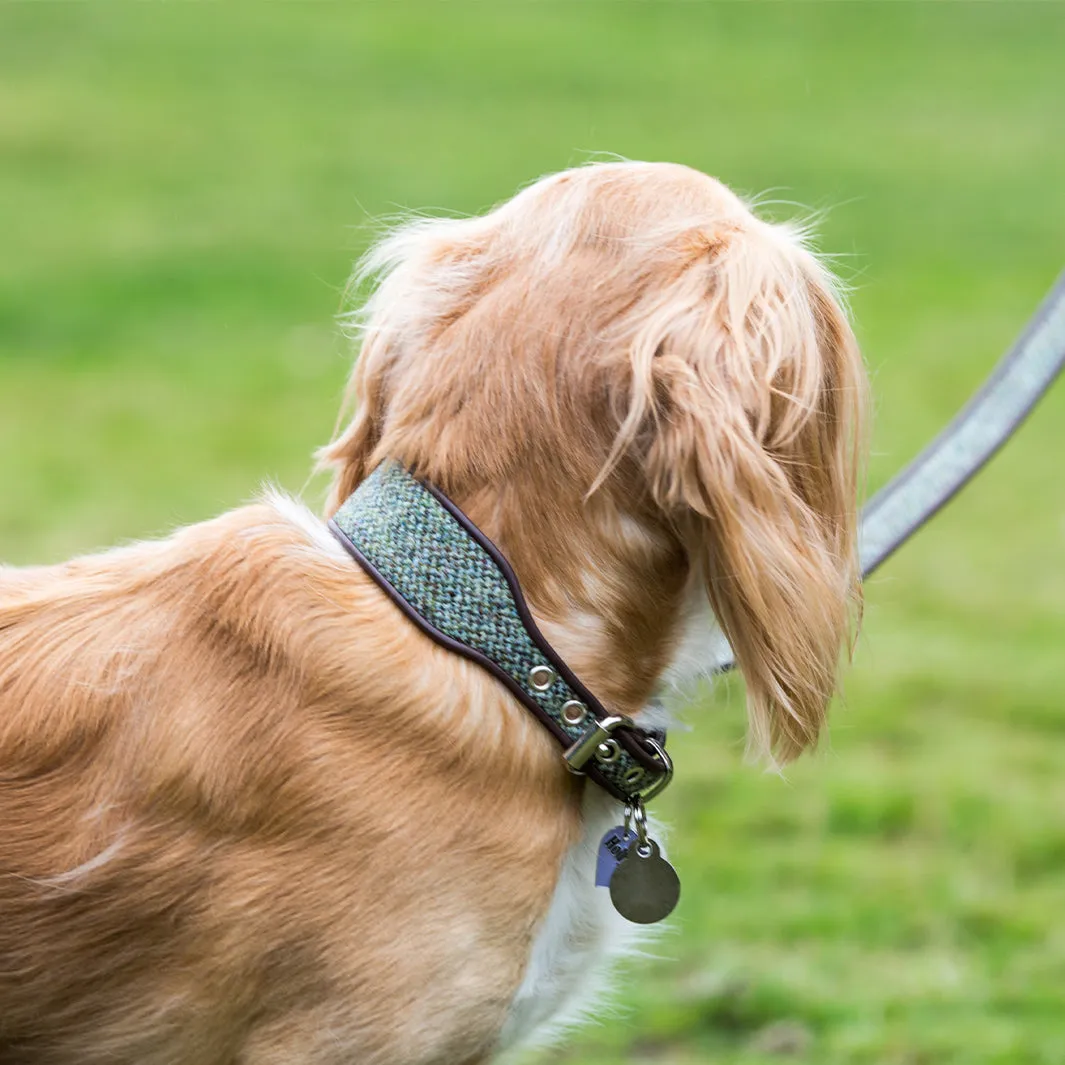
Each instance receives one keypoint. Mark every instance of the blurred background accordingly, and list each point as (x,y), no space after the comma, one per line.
(183,189)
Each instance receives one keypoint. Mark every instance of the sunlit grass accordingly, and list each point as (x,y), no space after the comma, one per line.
(182,191)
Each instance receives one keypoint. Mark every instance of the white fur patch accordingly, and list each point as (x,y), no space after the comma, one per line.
(69,880)
(582,936)
(702,650)
(294,512)
(580,940)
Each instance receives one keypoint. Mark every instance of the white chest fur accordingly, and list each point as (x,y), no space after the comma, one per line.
(580,939)
(582,935)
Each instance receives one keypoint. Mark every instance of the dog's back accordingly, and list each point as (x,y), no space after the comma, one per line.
(216,847)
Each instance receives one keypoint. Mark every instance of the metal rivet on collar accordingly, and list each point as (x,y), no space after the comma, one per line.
(574,712)
(607,752)
(542,677)
(633,777)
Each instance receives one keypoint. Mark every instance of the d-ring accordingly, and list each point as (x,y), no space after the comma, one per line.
(667,770)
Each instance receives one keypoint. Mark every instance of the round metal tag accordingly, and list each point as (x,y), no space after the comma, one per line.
(645,887)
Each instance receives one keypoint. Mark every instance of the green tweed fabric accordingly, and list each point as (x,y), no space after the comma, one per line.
(454,584)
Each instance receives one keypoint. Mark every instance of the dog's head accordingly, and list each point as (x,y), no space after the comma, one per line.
(666,381)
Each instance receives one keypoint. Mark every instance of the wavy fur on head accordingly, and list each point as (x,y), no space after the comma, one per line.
(632,332)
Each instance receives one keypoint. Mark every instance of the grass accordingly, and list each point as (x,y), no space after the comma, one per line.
(182,191)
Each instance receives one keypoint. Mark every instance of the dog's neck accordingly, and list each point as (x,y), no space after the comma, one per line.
(454,584)
(607,591)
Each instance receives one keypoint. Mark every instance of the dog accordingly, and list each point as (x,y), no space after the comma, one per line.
(251,815)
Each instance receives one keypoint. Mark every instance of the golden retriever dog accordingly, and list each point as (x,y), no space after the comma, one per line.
(251,815)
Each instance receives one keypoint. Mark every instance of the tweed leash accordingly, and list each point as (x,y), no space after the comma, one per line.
(455,585)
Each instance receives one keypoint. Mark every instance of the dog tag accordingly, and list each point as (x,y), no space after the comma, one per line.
(612,849)
(645,887)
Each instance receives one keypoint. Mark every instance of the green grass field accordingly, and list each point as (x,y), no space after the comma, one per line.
(182,190)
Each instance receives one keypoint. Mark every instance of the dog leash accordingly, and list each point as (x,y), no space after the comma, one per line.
(453,583)
(1021,378)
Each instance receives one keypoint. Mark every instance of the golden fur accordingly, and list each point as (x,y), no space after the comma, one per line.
(249,815)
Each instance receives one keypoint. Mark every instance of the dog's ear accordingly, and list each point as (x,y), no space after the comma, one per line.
(349,454)
(425,275)
(749,393)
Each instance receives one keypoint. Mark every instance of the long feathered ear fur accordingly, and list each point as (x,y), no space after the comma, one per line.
(349,454)
(423,275)
(749,395)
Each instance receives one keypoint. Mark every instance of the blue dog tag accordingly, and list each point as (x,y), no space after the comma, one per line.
(612,849)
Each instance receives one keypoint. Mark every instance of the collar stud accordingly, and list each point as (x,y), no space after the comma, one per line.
(574,712)
(542,677)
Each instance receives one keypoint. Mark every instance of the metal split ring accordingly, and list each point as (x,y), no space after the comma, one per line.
(639,819)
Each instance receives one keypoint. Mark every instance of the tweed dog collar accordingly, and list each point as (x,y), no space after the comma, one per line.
(455,585)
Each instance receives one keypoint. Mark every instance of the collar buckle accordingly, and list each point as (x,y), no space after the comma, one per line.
(595,742)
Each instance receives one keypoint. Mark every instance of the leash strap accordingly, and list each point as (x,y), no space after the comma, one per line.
(969,442)
(456,586)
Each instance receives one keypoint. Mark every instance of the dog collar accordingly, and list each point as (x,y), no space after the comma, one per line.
(456,586)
